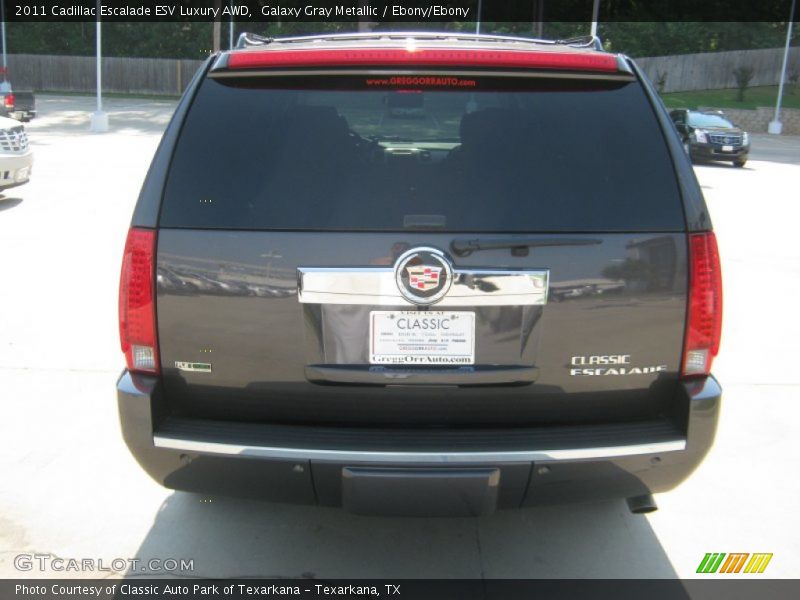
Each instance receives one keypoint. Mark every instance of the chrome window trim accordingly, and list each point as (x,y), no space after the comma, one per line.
(377,286)
(370,456)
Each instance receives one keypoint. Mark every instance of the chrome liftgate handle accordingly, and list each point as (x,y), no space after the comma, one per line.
(377,287)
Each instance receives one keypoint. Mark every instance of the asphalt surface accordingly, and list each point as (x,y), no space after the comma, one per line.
(69,488)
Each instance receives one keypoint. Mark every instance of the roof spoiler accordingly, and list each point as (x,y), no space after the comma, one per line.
(248,40)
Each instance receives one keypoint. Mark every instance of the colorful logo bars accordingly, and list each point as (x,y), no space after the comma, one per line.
(737,562)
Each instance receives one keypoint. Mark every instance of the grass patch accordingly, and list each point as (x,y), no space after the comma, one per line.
(753,98)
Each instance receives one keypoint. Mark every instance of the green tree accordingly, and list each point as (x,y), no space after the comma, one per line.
(193,39)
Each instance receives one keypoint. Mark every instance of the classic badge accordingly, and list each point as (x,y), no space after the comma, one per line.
(423,275)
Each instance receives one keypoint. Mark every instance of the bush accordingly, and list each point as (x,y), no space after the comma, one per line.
(743,76)
(794,75)
(661,81)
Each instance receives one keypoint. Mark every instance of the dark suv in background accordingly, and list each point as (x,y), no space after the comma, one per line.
(340,282)
(710,135)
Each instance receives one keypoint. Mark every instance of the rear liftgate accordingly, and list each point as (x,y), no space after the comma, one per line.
(422,332)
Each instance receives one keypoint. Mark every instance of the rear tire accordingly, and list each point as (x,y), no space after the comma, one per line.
(739,163)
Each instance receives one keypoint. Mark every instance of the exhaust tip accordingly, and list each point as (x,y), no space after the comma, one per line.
(641,505)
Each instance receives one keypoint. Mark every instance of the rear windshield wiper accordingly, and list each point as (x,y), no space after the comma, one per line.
(519,245)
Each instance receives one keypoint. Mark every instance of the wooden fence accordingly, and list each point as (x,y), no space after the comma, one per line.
(713,71)
(157,76)
(161,76)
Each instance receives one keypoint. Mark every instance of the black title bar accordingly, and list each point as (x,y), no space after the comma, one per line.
(405,589)
(396,11)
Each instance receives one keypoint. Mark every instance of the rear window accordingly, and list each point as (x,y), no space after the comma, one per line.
(407,153)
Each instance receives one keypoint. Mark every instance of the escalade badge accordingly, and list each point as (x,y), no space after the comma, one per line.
(423,275)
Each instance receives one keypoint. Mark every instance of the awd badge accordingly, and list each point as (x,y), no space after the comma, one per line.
(193,367)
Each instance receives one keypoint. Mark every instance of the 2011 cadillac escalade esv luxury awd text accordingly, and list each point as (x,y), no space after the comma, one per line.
(420,274)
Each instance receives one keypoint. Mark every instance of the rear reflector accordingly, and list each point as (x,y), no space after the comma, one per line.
(137,318)
(9,101)
(704,318)
(398,57)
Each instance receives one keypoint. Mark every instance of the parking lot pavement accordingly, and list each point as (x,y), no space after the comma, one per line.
(70,489)
(772,148)
(63,115)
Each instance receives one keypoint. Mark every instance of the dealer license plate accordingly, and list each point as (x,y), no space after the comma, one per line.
(421,337)
(727,148)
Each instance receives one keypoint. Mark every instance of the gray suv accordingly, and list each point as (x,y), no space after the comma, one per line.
(420,274)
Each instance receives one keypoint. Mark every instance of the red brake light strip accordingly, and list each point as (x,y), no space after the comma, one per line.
(398,57)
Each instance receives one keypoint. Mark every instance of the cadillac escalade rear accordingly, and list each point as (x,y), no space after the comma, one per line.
(420,274)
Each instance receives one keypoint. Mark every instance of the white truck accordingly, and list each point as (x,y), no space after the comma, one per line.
(16,157)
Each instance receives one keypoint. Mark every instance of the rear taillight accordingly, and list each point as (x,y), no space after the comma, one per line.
(9,100)
(137,312)
(704,318)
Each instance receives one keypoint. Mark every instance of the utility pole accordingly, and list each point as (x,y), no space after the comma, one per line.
(478,22)
(775,126)
(537,26)
(230,30)
(216,29)
(99,118)
(5,86)
(365,24)
(595,13)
